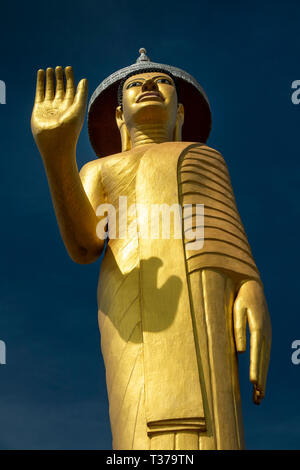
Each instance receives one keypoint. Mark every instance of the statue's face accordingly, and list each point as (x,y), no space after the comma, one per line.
(149,98)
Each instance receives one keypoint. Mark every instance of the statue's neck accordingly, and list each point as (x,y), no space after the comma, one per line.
(149,134)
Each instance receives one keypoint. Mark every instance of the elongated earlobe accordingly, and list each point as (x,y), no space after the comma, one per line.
(125,136)
(179,123)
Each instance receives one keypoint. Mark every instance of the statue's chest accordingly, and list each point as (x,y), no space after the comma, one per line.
(129,181)
(120,174)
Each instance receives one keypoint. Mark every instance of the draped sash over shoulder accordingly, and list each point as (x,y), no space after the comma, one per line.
(172,384)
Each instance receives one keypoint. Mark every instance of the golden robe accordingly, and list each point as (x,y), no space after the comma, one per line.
(165,311)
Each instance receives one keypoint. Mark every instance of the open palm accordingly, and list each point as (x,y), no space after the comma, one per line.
(58,112)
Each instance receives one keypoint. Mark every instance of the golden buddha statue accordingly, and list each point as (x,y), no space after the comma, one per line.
(172,318)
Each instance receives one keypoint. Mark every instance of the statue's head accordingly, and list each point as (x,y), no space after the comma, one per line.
(148,98)
(147,93)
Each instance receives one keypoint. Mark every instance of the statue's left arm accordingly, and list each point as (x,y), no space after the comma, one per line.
(250,307)
(226,247)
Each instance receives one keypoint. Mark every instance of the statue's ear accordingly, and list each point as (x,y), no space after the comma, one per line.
(179,123)
(125,136)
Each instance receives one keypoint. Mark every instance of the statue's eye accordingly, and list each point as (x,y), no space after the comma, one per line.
(133,84)
(164,80)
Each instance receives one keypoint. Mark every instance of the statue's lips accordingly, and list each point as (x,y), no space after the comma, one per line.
(152,95)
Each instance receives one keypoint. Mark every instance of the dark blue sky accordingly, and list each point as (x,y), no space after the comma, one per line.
(245,55)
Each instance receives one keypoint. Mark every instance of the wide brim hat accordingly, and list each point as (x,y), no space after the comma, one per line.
(102,127)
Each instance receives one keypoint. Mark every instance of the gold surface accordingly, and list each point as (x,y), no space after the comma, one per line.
(172,320)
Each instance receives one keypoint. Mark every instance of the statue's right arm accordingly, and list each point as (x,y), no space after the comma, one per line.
(56,122)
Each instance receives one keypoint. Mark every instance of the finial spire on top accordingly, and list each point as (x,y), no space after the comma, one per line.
(143,57)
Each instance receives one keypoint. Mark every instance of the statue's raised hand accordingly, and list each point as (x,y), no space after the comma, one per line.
(250,307)
(58,112)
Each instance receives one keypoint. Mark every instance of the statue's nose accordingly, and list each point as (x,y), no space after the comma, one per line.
(149,85)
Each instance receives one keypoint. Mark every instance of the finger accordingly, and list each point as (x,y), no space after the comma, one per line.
(259,385)
(240,326)
(40,86)
(265,365)
(60,88)
(255,350)
(70,85)
(81,93)
(49,84)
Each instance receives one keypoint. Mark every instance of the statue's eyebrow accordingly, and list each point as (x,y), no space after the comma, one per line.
(143,79)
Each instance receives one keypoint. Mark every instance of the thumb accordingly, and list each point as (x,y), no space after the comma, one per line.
(81,96)
(240,324)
